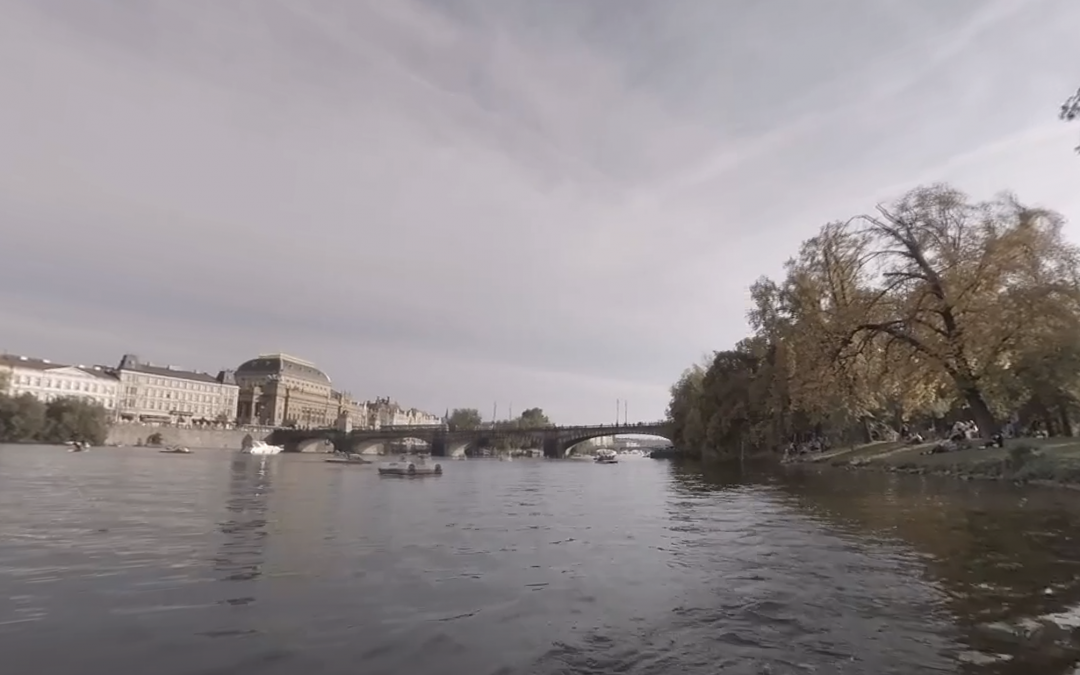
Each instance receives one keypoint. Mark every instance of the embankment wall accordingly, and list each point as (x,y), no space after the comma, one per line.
(228,439)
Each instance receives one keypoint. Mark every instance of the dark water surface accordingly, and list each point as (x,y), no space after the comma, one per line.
(130,561)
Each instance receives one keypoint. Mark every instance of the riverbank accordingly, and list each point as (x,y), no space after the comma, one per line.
(1035,461)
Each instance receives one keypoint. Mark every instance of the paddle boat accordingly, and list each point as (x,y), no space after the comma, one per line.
(607,456)
(177,450)
(410,468)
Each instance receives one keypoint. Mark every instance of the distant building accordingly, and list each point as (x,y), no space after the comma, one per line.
(382,412)
(48,381)
(279,390)
(167,394)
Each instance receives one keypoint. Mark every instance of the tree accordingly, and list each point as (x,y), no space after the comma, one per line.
(22,418)
(74,419)
(688,429)
(957,284)
(933,306)
(25,418)
(464,419)
(533,418)
(1070,109)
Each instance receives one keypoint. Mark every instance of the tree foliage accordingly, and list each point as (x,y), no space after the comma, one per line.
(464,419)
(26,419)
(1070,109)
(931,307)
(533,418)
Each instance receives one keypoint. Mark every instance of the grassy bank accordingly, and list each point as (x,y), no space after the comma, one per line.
(1045,461)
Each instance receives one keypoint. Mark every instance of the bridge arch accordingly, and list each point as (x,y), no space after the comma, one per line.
(459,448)
(388,444)
(657,434)
(315,445)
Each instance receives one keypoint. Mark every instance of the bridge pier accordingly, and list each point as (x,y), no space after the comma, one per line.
(438,446)
(554,448)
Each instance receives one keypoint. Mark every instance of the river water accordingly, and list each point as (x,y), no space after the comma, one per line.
(130,561)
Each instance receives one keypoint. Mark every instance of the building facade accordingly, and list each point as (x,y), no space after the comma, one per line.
(279,390)
(48,381)
(171,395)
(382,412)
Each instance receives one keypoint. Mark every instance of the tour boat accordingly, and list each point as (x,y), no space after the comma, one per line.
(260,448)
(407,468)
(606,456)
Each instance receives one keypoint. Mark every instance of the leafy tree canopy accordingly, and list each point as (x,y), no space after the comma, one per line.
(25,419)
(464,419)
(930,307)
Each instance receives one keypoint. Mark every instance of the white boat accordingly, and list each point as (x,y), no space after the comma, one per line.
(260,448)
(179,450)
(607,456)
(410,468)
(78,446)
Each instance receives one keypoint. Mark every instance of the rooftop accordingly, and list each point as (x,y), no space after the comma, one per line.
(286,357)
(132,363)
(34,363)
(283,364)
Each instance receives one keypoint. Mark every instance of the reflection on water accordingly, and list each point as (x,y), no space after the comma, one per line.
(242,550)
(1006,559)
(217,563)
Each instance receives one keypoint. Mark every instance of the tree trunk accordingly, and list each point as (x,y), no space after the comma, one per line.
(868,436)
(988,426)
(1066,423)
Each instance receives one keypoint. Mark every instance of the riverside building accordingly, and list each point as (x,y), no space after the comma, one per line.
(279,390)
(48,381)
(171,395)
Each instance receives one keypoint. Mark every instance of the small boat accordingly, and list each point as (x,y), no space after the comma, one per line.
(178,450)
(407,468)
(607,456)
(348,459)
(78,446)
(261,448)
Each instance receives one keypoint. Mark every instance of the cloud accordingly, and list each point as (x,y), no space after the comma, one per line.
(457,202)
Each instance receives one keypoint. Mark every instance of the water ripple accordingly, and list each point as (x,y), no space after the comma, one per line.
(223,564)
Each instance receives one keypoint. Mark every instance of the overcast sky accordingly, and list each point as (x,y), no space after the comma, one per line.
(553,203)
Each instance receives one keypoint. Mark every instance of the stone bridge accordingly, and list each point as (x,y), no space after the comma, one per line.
(555,441)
